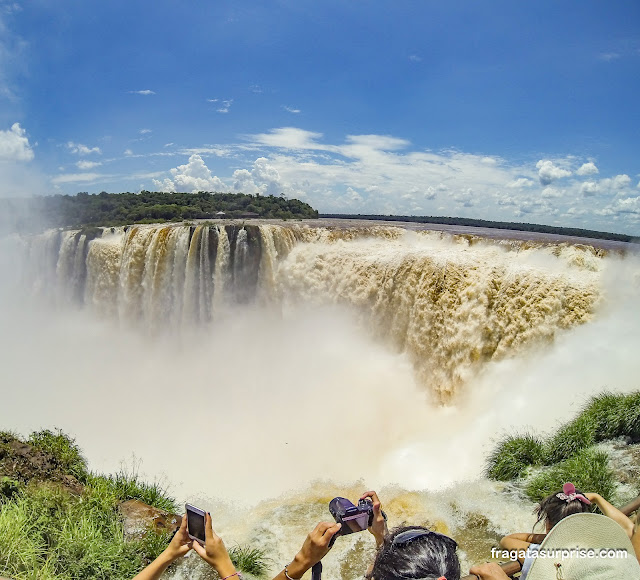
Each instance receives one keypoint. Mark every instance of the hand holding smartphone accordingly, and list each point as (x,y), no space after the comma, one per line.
(195,523)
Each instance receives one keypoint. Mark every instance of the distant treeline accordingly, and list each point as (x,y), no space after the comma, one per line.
(109,209)
(453,221)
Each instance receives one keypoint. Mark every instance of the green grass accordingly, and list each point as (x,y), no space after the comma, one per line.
(588,470)
(250,560)
(571,438)
(569,450)
(64,450)
(49,532)
(124,486)
(513,455)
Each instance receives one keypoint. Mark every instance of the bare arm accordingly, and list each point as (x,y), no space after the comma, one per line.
(611,512)
(315,548)
(635,539)
(179,546)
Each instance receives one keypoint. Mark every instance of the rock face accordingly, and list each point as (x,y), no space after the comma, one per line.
(138,518)
(23,463)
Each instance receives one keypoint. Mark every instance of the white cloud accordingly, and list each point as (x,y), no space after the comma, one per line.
(385,174)
(143,92)
(14,145)
(415,58)
(520,182)
(78,177)
(289,138)
(192,177)
(551,192)
(144,131)
(291,109)
(225,105)
(589,188)
(80,149)
(548,171)
(128,152)
(87,164)
(587,169)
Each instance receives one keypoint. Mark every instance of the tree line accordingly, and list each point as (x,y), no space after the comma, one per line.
(113,209)
(523,227)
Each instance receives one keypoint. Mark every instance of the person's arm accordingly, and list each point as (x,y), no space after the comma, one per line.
(611,512)
(180,544)
(520,543)
(214,552)
(315,547)
(489,572)
(635,538)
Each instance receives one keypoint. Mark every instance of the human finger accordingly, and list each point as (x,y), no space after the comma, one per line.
(208,529)
(199,549)
(331,531)
(371,494)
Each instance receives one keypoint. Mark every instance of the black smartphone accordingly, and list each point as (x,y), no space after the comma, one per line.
(195,523)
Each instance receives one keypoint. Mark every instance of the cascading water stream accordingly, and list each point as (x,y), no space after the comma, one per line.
(450,307)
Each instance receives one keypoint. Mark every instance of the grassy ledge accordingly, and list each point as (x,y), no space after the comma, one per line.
(59,520)
(542,465)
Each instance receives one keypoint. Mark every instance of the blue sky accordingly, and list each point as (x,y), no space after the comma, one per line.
(506,110)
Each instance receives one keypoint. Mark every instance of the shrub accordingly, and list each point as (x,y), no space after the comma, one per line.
(8,487)
(513,455)
(588,470)
(64,450)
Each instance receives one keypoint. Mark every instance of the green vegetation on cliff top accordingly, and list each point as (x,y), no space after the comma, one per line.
(570,453)
(112,209)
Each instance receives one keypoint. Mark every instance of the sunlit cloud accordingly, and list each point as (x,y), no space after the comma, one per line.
(143,92)
(14,144)
(87,164)
(80,149)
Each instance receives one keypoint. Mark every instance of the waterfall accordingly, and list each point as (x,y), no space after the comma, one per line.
(451,304)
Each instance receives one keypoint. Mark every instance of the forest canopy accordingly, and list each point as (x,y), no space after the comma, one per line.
(113,209)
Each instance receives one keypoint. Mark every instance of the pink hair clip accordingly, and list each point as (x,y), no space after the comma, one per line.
(568,494)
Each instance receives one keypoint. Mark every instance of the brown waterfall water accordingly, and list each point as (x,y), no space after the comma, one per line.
(246,363)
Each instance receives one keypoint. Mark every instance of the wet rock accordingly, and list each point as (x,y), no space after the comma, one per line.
(138,518)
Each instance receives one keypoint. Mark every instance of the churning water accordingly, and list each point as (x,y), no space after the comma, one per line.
(242,363)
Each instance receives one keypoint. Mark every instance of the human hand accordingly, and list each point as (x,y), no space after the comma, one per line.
(180,544)
(214,552)
(378,526)
(315,547)
(489,571)
(592,497)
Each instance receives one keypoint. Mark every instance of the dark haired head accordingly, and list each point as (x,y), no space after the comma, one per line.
(552,508)
(424,556)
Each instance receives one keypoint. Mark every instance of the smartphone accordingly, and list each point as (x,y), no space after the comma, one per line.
(195,523)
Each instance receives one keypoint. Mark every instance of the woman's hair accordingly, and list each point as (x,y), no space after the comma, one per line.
(552,508)
(424,556)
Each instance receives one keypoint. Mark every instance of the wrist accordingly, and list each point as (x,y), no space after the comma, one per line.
(298,566)
(167,557)
(224,567)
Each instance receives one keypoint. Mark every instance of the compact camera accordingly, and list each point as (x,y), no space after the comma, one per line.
(353,518)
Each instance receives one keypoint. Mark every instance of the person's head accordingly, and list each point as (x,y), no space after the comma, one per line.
(559,505)
(416,552)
